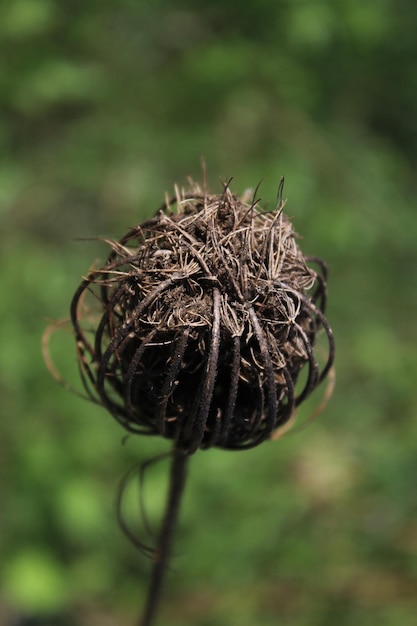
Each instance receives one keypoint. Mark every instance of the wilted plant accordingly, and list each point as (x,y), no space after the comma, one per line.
(203,330)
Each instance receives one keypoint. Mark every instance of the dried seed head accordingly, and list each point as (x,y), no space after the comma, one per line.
(207,313)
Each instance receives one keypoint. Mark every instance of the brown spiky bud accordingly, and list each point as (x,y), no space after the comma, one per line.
(207,315)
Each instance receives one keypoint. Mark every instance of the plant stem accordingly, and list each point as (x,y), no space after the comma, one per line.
(176,487)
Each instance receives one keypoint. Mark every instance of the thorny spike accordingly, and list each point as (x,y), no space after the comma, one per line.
(279,194)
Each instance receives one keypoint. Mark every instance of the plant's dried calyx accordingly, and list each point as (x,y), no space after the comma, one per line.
(207,313)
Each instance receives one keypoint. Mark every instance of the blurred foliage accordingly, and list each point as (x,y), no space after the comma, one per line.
(104,105)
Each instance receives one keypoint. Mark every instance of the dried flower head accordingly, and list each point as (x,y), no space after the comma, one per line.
(207,314)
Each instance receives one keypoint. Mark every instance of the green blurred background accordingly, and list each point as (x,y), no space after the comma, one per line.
(104,105)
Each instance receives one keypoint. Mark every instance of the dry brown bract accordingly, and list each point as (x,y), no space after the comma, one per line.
(207,314)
